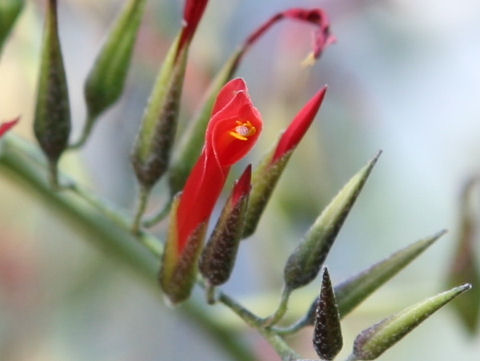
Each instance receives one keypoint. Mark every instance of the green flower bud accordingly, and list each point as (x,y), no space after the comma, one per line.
(264,180)
(218,257)
(9,11)
(304,263)
(154,141)
(356,289)
(327,334)
(374,341)
(178,269)
(105,81)
(52,112)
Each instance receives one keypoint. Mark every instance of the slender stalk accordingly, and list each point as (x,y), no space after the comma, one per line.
(293,328)
(160,216)
(142,201)
(281,309)
(53,174)
(87,129)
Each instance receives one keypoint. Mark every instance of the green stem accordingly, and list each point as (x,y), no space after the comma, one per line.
(87,129)
(281,347)
(53,174)
(293,328)
(281,309)
(142,201)
(160,216)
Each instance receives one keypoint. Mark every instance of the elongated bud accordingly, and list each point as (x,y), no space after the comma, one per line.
(353,291)
(6,126)
(327,334)
(356,289)
(9,11)
(52,112)
(178,268)
(465,267)
(305,262)
(154,141)
(105,81)
(374,341)
(151,154)
(192,140)
(218,257)
(266,176)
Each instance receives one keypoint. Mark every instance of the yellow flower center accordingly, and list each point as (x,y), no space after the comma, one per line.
(243,130)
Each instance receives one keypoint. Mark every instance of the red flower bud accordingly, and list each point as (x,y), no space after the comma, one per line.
(299,125)
(6,126)
(272,166)
(192,14)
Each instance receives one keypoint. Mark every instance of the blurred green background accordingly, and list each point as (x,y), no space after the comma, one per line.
(403,77)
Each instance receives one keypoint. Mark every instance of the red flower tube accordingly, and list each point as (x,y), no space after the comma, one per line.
(6,126)
(233,129)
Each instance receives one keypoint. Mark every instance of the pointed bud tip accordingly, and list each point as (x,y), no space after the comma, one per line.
(242,185)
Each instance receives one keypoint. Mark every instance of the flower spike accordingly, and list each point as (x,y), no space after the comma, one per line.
(221,150)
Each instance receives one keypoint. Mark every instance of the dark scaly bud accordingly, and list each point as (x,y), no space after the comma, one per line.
(179,264)
(353,291)
(151,153)
(327,334)
(374,341)
(52,112)
(304,263)
(105,81)
(218,257)
(9,11)
(192,140)
(465,267)
(270,169)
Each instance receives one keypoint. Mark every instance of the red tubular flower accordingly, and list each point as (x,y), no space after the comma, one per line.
(192,14)
(6,126)
(232,131)
(322,37)
(299,126)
